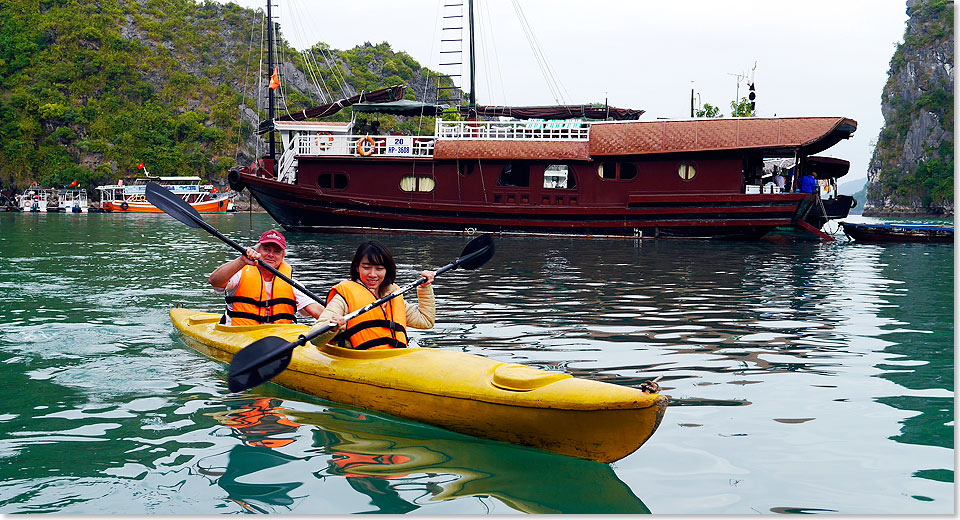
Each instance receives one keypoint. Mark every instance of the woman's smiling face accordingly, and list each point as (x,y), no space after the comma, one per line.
(371,275)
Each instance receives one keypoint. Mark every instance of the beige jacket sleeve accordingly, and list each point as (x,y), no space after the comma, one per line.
(336,307)
(422,315)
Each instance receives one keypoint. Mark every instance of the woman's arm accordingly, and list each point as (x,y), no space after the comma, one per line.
(422,315)
(335,310)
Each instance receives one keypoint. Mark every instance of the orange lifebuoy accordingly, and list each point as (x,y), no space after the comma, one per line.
(366,146)
(323,142)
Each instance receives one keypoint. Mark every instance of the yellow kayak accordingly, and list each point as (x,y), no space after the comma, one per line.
(454,390)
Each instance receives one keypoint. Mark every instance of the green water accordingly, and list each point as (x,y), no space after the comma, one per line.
(803,377)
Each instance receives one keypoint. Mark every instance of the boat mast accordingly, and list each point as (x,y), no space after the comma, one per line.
(270,96)
(472,107)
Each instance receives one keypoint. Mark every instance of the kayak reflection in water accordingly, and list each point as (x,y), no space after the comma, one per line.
(257,423)
(372,275)
(260,424)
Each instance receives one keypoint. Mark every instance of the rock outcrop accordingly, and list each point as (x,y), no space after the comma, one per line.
(911,171)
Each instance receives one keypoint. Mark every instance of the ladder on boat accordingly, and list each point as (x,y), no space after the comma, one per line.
(451,54)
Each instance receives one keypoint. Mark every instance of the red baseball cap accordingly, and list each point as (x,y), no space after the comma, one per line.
(274,237)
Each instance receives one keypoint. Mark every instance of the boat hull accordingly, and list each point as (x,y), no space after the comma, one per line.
(213,206)
(892,233)
(299,208)
(454,390)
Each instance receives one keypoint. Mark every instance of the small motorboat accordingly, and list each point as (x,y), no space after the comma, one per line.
(898,232)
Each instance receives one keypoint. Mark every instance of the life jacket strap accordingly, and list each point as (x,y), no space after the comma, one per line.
(268,303)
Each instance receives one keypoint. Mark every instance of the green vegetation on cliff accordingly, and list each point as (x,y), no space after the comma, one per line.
(912,166)
(90,89)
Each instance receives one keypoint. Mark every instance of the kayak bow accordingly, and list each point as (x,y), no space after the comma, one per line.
(454,390)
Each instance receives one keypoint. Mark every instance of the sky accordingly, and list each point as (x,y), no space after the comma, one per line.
(811,57)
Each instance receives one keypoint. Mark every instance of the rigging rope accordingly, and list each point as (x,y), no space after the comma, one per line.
(552,83)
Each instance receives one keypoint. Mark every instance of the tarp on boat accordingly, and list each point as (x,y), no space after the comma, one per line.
(377,96)
(402,107)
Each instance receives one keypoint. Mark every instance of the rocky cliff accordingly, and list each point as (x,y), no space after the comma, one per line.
(911,171)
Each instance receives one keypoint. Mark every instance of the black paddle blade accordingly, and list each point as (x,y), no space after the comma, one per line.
(259,362)
(172,205)
(476,252)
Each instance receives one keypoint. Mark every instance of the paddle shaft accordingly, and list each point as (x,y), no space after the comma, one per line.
(302,340)
(213,231)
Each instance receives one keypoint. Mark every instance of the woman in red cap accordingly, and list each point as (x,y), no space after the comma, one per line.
(253,294)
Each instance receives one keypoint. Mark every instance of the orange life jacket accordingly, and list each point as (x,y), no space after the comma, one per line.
(247,306)
(379,328)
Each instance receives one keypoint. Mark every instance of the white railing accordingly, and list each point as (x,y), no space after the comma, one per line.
(533,129)
(365,145)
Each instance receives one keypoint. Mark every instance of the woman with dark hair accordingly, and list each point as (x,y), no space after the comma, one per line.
(372,276)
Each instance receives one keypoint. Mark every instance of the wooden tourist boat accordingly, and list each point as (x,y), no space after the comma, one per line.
(205,198)
(898,232)
(541,170)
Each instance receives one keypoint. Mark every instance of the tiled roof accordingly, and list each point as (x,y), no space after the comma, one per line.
(653,137)
(648,137)
(518,149)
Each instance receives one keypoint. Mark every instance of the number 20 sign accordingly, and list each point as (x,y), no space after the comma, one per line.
(399,145)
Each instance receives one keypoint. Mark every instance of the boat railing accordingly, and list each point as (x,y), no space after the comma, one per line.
(364,145)
(531,129)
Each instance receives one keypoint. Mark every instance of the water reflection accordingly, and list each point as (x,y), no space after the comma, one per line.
(399,466)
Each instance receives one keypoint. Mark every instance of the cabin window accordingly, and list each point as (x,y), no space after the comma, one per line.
(466,168)
(514,174)
(607,170)
(332,180)
(559,176)
(687,171)
(423,184)
(614,171)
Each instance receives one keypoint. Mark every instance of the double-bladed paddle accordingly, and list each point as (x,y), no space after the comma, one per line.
(172,205)
(267,357)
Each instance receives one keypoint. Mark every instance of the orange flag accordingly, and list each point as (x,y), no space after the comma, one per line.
(275,79)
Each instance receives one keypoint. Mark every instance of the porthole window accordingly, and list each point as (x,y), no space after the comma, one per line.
(422,184)
(687,171)
(614,171)
(607,170)
(332,180)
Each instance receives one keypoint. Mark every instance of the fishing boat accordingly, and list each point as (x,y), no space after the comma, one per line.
(558,170)
(898,232)
(454,390)
(131,197)
(73,201)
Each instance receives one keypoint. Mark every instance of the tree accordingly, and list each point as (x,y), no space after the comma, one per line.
(708,110)
(741,109)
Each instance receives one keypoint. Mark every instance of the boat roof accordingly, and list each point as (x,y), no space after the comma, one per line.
(618,138)
(813,134)
(313,126)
